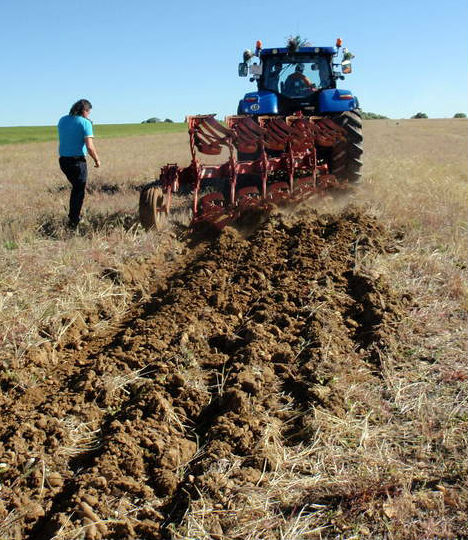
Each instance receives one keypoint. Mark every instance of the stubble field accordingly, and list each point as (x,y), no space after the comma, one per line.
(307,380)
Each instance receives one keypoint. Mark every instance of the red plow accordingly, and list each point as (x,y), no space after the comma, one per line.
(275,161)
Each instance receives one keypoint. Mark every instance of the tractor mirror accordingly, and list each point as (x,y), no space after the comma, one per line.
(243,69)
(346,67)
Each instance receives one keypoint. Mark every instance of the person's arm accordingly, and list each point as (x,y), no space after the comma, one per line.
(92,151)
(311,87)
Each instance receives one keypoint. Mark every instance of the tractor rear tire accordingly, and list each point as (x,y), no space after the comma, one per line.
(346,156)
(151,203)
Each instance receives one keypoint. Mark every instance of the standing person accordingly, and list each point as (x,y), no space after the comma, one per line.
(75,141)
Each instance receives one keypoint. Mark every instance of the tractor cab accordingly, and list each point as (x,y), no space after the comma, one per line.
(291,79)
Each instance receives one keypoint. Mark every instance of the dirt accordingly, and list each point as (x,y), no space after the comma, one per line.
(116,435)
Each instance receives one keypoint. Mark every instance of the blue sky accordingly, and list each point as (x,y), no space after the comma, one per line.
(141,58)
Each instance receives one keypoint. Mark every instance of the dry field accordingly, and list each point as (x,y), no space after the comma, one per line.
(306,381)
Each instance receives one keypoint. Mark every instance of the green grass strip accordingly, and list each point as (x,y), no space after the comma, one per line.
(31,134)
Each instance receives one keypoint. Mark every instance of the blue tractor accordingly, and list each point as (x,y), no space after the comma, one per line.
(296,137)
(301,78)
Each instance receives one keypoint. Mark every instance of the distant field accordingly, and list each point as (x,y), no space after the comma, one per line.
(12,135)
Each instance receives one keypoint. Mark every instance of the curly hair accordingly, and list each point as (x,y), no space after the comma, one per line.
(79,107)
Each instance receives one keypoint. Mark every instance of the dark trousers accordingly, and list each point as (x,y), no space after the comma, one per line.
(76,171)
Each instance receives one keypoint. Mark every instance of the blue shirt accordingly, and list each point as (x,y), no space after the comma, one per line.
(72,131)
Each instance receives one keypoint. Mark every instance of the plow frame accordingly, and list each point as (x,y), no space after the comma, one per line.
(275,144)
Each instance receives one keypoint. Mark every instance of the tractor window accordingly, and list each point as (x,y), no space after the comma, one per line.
(298,77)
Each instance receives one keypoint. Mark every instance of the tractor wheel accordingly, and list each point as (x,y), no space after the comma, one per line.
(150,207)
(346,156)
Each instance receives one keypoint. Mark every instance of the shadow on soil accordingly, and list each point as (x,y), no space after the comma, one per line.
(57,228)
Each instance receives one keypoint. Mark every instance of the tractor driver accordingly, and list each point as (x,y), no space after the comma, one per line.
(297,83)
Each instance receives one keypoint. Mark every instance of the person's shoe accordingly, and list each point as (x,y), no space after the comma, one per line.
(73,224)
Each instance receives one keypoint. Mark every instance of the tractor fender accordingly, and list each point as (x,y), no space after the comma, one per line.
(337,100)
(261,102)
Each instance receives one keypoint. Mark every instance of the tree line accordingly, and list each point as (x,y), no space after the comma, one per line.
(374,116)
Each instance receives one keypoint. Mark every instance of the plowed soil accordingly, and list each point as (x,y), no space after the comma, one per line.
(120,434)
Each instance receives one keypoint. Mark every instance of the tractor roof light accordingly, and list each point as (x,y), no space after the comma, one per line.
(339,42)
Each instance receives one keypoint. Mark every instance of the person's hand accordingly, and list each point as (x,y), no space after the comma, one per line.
(97,164)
